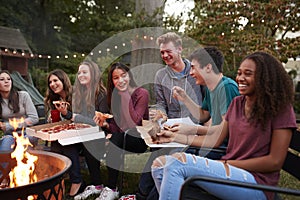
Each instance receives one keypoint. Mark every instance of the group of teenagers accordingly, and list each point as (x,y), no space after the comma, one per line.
(251,116)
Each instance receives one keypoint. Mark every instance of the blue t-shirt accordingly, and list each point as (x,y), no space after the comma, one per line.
(217,101)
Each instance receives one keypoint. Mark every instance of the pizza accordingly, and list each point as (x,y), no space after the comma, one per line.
(64,127)
(103,116)
(60,102)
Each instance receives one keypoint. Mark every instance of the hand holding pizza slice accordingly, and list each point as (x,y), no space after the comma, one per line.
(100,118)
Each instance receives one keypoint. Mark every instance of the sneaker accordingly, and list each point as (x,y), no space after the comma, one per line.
(89,190)
(108,194)
(128,197)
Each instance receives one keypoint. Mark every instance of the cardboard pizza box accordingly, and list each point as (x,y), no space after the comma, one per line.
(37,131)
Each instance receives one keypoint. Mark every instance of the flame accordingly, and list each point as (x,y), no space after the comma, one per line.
(23,172)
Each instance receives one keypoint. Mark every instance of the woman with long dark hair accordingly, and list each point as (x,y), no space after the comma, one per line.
(129,105)
(14,104)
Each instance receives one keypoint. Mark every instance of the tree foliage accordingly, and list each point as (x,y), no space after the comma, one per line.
(241,27)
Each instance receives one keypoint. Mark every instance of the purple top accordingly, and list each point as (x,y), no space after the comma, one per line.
(133,110)
(249,141)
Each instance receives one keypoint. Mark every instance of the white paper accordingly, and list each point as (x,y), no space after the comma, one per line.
(186,120)
(82,138)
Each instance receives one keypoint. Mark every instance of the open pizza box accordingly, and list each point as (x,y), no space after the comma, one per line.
(143,130)
(65,137)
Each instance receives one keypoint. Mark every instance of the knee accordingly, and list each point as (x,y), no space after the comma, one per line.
(159,162)
(180,156)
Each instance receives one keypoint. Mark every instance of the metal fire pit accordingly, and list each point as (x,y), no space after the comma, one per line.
(50,169)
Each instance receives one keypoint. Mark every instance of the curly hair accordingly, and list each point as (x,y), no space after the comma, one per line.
(273,89)
(51,96)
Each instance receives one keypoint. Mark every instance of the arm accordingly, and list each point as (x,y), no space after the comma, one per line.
(161,102)
(212,136)
(136,109)
(274,160)
(196,110)
(30,111)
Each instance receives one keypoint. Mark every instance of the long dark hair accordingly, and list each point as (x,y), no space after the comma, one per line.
(110,84)
(51,96)
(13,98)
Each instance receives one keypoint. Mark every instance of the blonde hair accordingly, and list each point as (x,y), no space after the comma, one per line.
(169,37)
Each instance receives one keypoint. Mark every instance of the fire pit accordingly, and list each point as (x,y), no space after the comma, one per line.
(50,169)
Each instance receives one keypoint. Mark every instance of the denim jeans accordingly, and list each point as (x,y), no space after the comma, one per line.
(147,189)
(6,143)
(169,178)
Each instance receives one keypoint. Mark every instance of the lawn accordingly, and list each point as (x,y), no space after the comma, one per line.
(135,163)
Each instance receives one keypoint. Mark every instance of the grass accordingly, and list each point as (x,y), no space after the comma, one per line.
(137,162)
(288,181)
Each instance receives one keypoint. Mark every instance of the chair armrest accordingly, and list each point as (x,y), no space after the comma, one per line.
(239,184)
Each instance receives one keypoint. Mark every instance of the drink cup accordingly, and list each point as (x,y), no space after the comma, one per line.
(55,115)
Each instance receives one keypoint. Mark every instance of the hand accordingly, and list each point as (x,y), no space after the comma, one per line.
(73,117)
(62,107)
(179,93)
(166,136)
(184,129)
(100,121)
(155,115)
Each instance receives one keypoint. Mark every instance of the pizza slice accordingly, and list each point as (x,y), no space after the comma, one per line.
(103,116)
(60,102)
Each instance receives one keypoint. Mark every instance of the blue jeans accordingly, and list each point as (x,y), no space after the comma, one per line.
(6,143)
(169,178)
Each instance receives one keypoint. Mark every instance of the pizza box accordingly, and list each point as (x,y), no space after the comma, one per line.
(36,131)
(169,122)
(82,138)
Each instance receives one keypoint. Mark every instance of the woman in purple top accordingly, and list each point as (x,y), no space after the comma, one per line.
(129,106)
(259,124)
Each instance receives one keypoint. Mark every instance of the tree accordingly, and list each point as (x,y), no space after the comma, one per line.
(241,27)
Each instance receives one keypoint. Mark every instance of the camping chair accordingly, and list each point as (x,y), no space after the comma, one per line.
(291,166)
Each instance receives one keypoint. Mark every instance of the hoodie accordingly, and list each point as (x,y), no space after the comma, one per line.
(165,80)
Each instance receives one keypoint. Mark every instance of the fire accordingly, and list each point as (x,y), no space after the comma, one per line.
(23,172)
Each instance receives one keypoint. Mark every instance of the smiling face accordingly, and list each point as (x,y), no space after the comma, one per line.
(84,74)
(246,77)
(55,84)
(197,72)
(120,79)
(169,53)
(5,83)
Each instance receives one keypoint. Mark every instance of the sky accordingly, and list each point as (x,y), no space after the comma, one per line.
(176,7)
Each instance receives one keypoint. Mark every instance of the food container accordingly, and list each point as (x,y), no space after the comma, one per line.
(51,131)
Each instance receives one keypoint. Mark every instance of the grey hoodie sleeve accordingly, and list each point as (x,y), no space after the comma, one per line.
(161,102)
